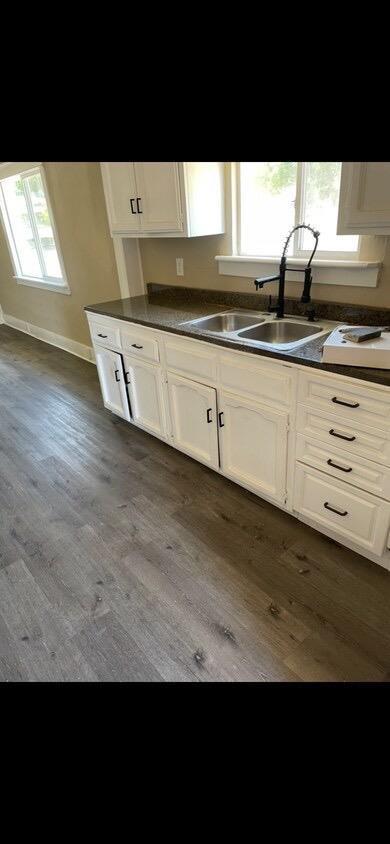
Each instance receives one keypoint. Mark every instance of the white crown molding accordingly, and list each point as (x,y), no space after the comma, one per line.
(65,343)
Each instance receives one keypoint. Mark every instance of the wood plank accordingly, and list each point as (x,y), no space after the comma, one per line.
(121,559)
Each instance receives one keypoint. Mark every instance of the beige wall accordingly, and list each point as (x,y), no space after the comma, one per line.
(201,270)
(76,194)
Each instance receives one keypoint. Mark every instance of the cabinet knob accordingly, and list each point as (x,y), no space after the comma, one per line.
(134,346)
(131,206)
(220,415)
(117,373)
(139,209)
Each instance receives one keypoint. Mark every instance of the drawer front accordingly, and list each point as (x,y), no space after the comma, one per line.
(192,360)
(355,515)
(351,401)
(344,466)
(353,438)
(104,334)
(269,383)
(140,344)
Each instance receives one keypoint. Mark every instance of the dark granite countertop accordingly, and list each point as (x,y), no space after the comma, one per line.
(166,310)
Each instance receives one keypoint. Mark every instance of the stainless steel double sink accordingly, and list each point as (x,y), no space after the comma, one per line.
(260,329)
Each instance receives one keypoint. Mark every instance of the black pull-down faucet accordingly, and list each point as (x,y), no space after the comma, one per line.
(283,268)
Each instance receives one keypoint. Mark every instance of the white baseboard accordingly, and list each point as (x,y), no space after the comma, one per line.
(78,349)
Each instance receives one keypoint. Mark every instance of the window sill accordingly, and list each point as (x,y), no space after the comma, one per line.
(43,285)
(325,270)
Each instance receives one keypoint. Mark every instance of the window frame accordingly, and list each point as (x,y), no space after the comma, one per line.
(298,252)
(46,282)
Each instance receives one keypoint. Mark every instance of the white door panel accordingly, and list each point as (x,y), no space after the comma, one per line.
(158,193)
(112,383)
(121,195)
(145,392)
(193,409)
(253,444)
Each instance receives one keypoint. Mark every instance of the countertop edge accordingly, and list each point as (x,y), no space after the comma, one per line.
(366,374)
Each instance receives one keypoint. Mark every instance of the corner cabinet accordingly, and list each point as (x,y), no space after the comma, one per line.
(164,198)
(364,206)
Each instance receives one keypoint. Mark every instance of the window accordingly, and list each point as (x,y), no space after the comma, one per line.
(273,196)
(30,230)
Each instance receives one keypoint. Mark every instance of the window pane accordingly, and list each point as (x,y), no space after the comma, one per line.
(321,207)
(268,192)
(21,227)
(34,185)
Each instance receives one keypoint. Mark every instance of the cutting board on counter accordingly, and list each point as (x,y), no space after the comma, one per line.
(372,353)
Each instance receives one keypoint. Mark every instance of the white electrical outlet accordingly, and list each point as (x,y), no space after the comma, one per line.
(179,266)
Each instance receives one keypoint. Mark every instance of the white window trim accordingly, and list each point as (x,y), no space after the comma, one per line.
(13,168)
(329,269)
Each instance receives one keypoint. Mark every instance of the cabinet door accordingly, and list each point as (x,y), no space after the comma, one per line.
(159,196)
(364,206)
(193,410)
(121,196)
(253,445)
(145,392)
(112,382)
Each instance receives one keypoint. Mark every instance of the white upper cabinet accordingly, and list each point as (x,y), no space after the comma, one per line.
(159,204)
(121,194)
(364,206)
(164,198)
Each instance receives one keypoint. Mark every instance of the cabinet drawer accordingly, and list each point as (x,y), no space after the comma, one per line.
(191,359)
(353,438)
(344,466)
(140,344)
(352,514)
(267,382)
(351,401)
(105,335)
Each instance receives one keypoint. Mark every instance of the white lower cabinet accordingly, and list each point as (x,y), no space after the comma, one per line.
(233,412)
(193,411)
(253,445)
(144,386)
(351,513)
(112,382)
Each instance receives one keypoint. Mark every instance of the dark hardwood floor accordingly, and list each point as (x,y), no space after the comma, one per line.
(122,559)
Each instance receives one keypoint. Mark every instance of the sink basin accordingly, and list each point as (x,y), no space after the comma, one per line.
(281,333)
(260,329)
(227,323)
